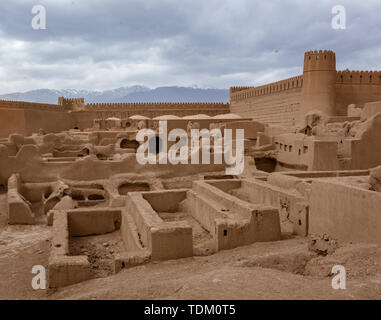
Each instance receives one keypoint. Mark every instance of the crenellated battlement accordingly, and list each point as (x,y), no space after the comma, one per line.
(236,89)
(322,60)
(13,104)
(157,105)
(27,117)
(77,104)
(320,87)
(268,89)
(72,103)
(358,77)
(319,53)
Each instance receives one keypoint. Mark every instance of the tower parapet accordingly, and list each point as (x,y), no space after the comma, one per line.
(75,104)
(322,60)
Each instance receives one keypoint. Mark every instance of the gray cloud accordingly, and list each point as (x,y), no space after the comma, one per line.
(94,44)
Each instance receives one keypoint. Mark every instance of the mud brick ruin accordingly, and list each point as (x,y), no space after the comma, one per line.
(312,170)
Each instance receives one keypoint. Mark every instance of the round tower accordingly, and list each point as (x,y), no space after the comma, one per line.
(319,79)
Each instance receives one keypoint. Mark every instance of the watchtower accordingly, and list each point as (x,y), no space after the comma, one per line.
(319,80)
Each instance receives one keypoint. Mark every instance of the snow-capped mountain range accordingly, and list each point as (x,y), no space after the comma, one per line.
(124,94)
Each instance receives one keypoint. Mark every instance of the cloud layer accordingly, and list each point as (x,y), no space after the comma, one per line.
(97,44)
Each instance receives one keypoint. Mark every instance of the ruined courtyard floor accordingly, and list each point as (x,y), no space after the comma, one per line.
(283,269)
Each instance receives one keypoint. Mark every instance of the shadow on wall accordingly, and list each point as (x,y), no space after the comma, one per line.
(133,186)
(266,164)
(129,144)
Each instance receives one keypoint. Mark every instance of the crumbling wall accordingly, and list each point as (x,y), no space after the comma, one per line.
(292,206)
(64,269)
(242,223)
(364,149)
(19,209)
(164,240)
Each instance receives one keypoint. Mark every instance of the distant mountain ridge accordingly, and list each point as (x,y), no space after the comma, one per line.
(124,94)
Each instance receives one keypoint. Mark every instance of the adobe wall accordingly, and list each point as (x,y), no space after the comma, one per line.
(275,103)
(65,269)
(83,119)
(364,150)
(27,117)
(30,105)
(320,87)
(47,120)
(12,121)
(19,209)
(93,221)
(246,222)
(295,151)
(370,109)
(33,168)
(356,87)
(284,106)
(291,206)
(165,239)
(154,109)
(344,212)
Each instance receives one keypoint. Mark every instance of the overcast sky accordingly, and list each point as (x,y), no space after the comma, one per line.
(105,44)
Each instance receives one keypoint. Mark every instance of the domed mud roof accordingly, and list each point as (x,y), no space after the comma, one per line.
(167,117)
(227,116)
(200,116)
(138,117)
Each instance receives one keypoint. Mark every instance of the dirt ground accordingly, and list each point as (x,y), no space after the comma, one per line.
(100,250)
(284,269)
